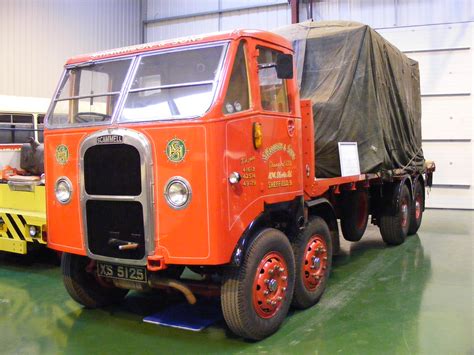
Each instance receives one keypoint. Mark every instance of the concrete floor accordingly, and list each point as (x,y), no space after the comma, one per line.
(411,299)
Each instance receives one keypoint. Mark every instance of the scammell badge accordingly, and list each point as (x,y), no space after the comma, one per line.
(175,150)
(62,154)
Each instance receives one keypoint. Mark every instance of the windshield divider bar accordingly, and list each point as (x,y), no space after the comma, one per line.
(88,96)
(195,83)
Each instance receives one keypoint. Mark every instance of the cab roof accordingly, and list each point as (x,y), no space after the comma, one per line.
(179,42)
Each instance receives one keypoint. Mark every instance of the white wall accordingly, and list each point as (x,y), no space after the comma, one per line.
(37,36)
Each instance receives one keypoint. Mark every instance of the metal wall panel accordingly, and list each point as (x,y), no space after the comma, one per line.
(393,13)
(452,113)
(453,162)
(217,16)
(262,19)
(179,28)
(444,72)
(37,36)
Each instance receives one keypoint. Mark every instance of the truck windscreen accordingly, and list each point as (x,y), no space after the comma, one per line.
(89,94)
(174,84)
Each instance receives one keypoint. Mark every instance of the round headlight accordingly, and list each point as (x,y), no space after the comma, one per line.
(63,190)
(177,193)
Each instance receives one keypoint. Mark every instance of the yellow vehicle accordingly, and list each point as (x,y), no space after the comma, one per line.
(22,194)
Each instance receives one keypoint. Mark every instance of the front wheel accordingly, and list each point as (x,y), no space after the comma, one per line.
(83,284)
(256,296)
(313,258)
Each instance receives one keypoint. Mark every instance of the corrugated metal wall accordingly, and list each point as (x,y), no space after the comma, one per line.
(216,15)
(37,36)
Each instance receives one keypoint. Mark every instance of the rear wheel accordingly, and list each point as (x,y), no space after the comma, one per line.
(394,227)
(256,296)
(313,259)
(83,284)
(416,213)
(355,213)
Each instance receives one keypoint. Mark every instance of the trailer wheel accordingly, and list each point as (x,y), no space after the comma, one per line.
(416,213)
(394,228)
(84,286)
(256,296)
(313,259)
(355,213)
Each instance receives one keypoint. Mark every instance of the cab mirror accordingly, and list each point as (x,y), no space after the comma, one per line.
(284,66)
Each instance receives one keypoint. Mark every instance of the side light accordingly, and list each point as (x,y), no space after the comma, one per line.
(257,135)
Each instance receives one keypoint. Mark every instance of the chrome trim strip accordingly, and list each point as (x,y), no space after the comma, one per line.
(172,86)
(141,143)
(111,93)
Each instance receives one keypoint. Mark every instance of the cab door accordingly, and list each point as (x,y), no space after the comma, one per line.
(263,147)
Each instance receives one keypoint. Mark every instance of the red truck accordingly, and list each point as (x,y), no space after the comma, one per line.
(199,153)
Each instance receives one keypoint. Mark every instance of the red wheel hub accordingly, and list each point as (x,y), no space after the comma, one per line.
(404,212)
(315,262)
(418,203)
(270,285)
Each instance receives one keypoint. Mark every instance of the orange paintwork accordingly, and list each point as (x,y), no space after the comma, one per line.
(205,232)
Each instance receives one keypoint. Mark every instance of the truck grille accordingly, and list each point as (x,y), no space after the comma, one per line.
(114,223)
(112,169)
(115,228)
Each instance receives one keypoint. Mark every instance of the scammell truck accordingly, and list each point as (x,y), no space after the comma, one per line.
(199,153)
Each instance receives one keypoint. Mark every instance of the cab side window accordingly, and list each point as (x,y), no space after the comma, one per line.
(238,93)
(273,93)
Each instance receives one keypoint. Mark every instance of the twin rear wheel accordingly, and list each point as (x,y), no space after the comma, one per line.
(406,219)
(274,274)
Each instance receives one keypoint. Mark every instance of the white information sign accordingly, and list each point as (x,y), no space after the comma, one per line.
(349,158)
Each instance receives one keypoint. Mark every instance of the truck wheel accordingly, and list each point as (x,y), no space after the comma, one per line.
(416,213)
(355,213)
(313,259)
(256,296)
(394,228)
(84,286)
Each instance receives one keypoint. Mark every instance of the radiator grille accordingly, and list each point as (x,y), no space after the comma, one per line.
(114,223)
(112,169)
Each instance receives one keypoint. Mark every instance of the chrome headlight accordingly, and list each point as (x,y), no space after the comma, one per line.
(178,192)
(63,190)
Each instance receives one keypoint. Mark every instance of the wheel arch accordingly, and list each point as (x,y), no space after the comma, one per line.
(287,217)
(321,207)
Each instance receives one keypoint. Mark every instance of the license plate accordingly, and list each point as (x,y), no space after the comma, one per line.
(124,272)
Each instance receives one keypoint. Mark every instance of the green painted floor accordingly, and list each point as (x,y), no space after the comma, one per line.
(411,299)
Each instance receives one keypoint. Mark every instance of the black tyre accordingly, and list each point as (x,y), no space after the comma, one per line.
(84,286)
(256,296)
(416,212)
(394,227)
(313,260)
(355,213)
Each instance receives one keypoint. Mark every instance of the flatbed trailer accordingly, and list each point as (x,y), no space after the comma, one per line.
(199,153)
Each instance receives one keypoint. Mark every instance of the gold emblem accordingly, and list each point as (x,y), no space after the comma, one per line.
(175,150)
(62,154)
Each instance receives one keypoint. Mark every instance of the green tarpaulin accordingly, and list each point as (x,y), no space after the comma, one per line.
(363,90)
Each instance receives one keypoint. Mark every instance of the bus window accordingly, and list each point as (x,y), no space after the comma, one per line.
(16,128)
